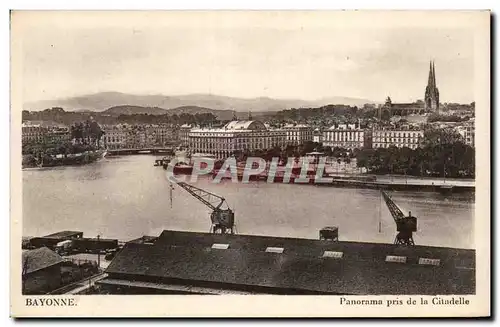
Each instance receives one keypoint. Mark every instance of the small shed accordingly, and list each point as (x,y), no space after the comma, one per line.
(41,271)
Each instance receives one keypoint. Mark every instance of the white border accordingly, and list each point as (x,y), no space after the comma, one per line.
(145,4)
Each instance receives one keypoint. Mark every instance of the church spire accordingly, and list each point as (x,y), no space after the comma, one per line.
(433,74)
(431,91)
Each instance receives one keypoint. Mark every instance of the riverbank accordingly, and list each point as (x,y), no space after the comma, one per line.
(446,187)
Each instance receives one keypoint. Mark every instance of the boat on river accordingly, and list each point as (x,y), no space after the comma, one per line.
(162,162)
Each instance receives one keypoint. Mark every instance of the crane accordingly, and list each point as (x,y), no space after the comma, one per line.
(406,225)
(222,219)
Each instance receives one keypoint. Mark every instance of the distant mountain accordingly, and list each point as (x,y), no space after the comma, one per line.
(104,100)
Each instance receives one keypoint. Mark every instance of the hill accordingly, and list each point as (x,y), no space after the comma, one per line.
(104,100)
(192,110)
(130,110)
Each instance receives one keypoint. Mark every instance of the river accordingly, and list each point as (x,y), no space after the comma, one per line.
(126,197)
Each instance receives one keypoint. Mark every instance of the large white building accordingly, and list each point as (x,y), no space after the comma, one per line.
(235,136)
(348,136)
(384,138)
(298,134)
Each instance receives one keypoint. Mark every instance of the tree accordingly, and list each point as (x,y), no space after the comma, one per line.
(328,151)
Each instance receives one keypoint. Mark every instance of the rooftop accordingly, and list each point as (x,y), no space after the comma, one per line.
(64,234)
(310,266)
(243,125)
(296,126)
(34,260)
(235,126)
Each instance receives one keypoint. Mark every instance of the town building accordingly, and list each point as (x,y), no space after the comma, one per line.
(236,136)
(468,133)
(114,137)
(161,135)
(385,138)
(184,134)
(202,263)
(297,134)
(124,136)
(390,109)
(347,136)
(41,271)
(44,132)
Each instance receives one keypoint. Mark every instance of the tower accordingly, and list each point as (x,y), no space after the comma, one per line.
(431,91)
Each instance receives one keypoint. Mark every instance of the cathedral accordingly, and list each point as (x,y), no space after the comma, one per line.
(431,91)
(431,101)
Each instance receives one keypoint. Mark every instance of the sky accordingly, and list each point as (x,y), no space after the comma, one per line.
(273,56)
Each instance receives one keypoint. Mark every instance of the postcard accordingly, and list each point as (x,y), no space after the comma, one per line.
(291,163)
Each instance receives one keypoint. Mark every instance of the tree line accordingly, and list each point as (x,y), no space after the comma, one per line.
(59,115)
(442,154)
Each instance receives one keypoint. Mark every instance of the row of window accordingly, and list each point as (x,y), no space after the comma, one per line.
(397,134)
(399,145)
(395,140)
(304,134)
(230,135)
(204,148)
(236,141)
(344,137)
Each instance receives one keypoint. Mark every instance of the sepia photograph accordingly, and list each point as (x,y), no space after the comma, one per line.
(340,157)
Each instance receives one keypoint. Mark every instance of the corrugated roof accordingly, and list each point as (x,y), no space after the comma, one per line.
(34,260)
(362,269)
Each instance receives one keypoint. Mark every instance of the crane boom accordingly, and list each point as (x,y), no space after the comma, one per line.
(222,219)
(406,225)
(396,213)
(213,201)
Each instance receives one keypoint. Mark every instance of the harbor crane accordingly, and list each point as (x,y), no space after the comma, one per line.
(405,225)
(222,219)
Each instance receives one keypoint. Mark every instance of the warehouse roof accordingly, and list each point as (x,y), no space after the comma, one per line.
(34,260)
(246,262)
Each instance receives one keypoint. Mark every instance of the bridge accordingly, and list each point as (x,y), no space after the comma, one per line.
(158,150)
